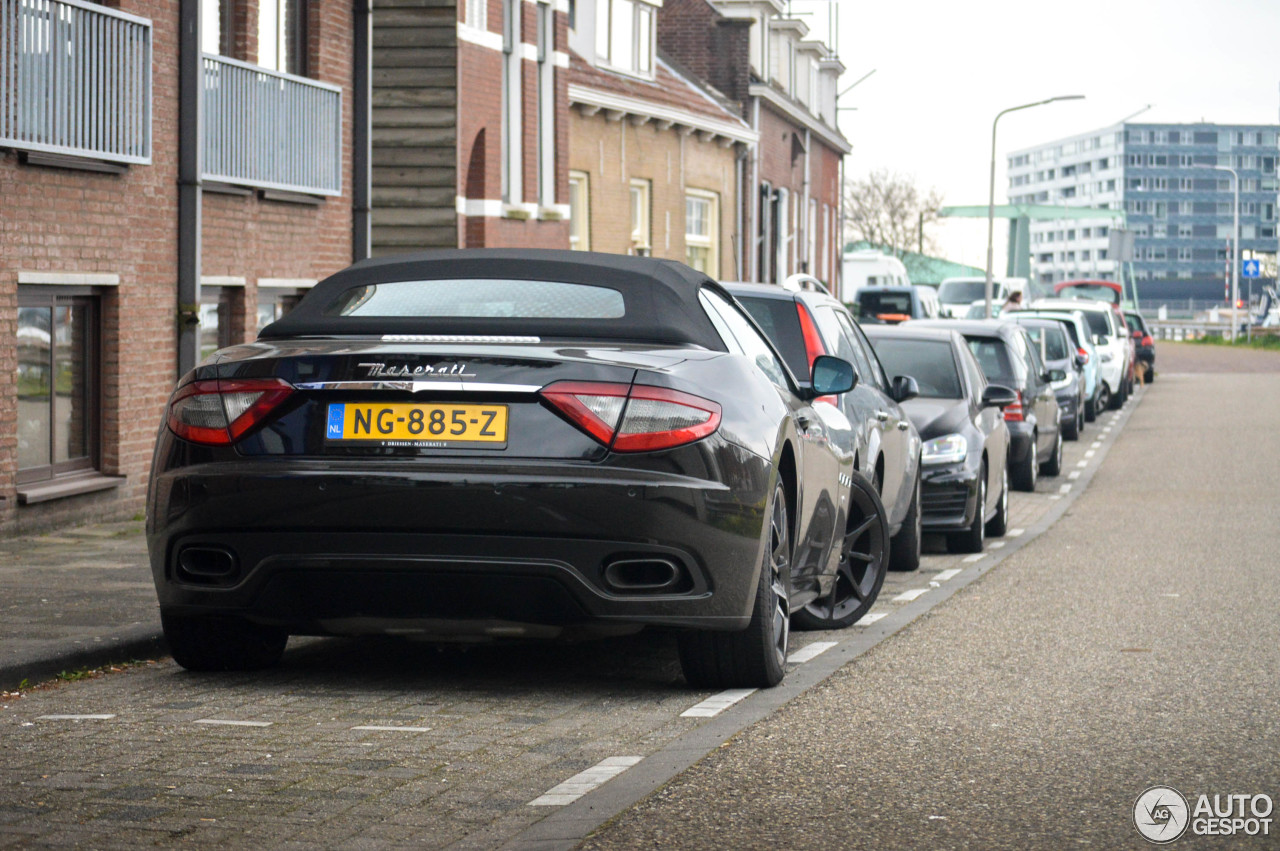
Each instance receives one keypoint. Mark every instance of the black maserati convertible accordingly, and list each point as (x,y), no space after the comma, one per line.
(501,444)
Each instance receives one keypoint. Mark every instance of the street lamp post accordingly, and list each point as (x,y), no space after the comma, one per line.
(1235,245)
(991,197)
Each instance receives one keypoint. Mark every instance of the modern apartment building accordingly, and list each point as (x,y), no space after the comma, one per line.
(1161,181)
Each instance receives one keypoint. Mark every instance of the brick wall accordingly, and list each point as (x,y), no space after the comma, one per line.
(479,139)
(707,45)
(672,161)
(64,221)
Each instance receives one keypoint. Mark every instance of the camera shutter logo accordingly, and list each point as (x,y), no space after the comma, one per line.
(1161,814)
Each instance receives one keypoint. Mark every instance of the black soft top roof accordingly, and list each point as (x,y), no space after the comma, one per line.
(660,297)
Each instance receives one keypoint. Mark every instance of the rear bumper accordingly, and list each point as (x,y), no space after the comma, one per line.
(333,548)
(1021,441)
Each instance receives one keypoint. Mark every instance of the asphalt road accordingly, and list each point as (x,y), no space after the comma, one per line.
(1133,644)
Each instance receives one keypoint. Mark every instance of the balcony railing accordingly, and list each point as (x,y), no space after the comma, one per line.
(277,131)
(75,79)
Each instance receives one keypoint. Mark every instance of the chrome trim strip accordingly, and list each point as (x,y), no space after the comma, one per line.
(418,386)
(457,338)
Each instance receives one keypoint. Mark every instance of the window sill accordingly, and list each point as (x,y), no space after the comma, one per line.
(38,492)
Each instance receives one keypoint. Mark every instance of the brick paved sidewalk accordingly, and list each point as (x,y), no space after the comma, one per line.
(75,598)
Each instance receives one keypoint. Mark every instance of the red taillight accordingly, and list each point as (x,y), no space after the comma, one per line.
(634,418)
(813,346)
(218,412)
(1013,413)
(1082,353)
(1147,341)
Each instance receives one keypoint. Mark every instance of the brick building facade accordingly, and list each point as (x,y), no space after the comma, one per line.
(89,224)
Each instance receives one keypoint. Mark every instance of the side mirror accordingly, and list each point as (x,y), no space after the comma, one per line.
(1081,360)
(832,376)
(1055,375)
(904,388)
(998,396)
(1099,340)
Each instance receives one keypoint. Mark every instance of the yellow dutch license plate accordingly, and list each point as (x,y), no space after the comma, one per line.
(482,426)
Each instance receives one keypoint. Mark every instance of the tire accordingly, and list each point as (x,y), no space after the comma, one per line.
(1071,431)
(1118,399)
(222,643)
(1104,399)
(864,555)
(998,525)
(1053,466)
(1025,473)
(1151,374)
(1092,406)
(904,548)
(755,657)
(971,540)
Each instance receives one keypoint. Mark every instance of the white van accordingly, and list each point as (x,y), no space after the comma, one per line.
(957,294)
(871,268)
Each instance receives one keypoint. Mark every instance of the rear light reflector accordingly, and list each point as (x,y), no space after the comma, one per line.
(1013,413)
(218,412)
(813,347)
(634,418)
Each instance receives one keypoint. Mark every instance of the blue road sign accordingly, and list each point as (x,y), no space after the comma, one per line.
(1251,269)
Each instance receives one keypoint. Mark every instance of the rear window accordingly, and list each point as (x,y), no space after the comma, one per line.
(1052,339)
(1097,322)
(873,302)
(1094,291)
(931,363)
(778,319)
(956,292)
(993,357)
(483,298)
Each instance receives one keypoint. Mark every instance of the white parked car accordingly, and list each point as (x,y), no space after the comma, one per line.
(1109,339)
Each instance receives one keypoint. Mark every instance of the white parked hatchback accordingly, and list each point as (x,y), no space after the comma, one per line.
(1114,349)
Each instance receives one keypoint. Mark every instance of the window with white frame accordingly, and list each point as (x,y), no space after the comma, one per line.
(57,382)
(546,105)
(641,192)
(579,211)
(701,231)
(512,115)
(624,35)
(282,35)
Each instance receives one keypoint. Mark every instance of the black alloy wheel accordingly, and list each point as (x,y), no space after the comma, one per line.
(1104,399)
(904,547)
(864,556)
(222,643)
(756,657)
(1053,466)
(999,524)
(1027,471)
(972,539)
(1071,430)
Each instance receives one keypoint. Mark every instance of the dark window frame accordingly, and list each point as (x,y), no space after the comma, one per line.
(51,297)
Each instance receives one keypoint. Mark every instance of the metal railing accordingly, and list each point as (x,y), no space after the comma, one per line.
(75,79)
(272,130)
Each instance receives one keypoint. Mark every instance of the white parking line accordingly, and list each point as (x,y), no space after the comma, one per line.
(1073,475)
(1089,453)
(390,729)
(1107,429)
(810,651)
(222,723)
(717,703)
(908,596)
(75,717)
(975,557)
(1065,489)
(1082,463)
(1097,444)
(995,545)
(868,620)
(583,782)
(1013,533)
(944,575)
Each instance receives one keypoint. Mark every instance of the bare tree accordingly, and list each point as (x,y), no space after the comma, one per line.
(888,210)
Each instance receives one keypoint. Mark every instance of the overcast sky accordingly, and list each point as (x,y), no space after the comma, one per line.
(944,69)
